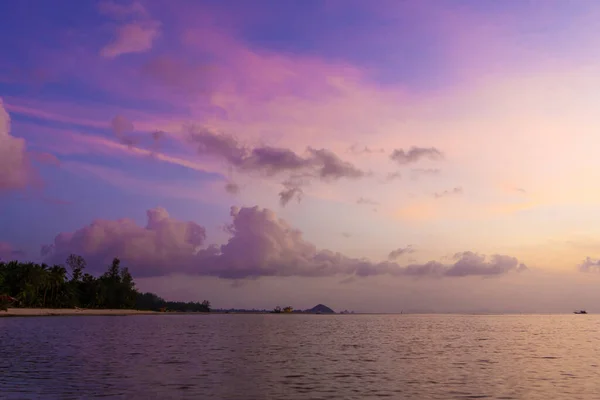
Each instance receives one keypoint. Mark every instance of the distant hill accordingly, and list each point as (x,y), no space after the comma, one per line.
(321,309)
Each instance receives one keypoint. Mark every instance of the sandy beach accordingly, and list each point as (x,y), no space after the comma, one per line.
(48,312)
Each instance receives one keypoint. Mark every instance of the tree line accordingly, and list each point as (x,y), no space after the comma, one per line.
(31,285)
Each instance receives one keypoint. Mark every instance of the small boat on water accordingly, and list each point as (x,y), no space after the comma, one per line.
(580,312)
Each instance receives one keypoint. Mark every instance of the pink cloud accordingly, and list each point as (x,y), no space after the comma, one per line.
(135,37)
(8,253)
(260,244)
(15,167)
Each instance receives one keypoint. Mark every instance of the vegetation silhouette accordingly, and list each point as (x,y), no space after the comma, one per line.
(31,285)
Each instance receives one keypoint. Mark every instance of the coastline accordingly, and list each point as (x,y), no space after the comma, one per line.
(56,312)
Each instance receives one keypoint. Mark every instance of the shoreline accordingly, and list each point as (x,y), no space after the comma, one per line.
(62,312)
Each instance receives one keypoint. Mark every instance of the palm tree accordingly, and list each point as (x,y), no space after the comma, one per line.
(57,279)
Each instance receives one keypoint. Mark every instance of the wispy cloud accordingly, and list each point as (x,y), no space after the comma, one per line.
(135,36)
(400,251)
(446,193)
(367,201)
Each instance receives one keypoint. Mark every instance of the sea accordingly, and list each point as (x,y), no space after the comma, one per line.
(290,357)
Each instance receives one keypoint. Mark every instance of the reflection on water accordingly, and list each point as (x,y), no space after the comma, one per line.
(301,357)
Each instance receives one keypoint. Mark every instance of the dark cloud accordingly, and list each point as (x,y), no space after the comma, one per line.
(273,160)
(289,193)
(260,244)
(330,166)
(589,265)
(292,189)
(415,154)
(400,252)
(317,163)
(232,188)
(366,201)
(123,129)
(445,193)
(158,135)
(221,146)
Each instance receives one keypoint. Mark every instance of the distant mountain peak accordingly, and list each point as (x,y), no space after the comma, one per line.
(322,309)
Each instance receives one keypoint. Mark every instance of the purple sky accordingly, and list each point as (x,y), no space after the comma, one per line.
(381,156)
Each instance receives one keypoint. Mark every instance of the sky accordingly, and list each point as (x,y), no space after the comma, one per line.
(384,156)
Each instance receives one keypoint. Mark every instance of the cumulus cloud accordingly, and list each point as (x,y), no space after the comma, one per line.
(163,245)
(445,193)
(134,35)
(260,244)
(15,164)
(415,154)
(400,251)
(589,265)
(8,253)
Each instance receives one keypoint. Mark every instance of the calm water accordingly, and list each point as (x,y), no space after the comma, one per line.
(301,357)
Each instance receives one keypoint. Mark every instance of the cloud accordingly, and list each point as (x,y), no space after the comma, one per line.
(445,193)
(415,154)
(366,201)
(346,235)
(135,36)
(15,165)
(470,263)
(357,150)
(319,163)
(122,128)
(162,246)
(589,265)
(8,253)
(400,251)
(232,188)
(418,172)
(288,193)
(260,244)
